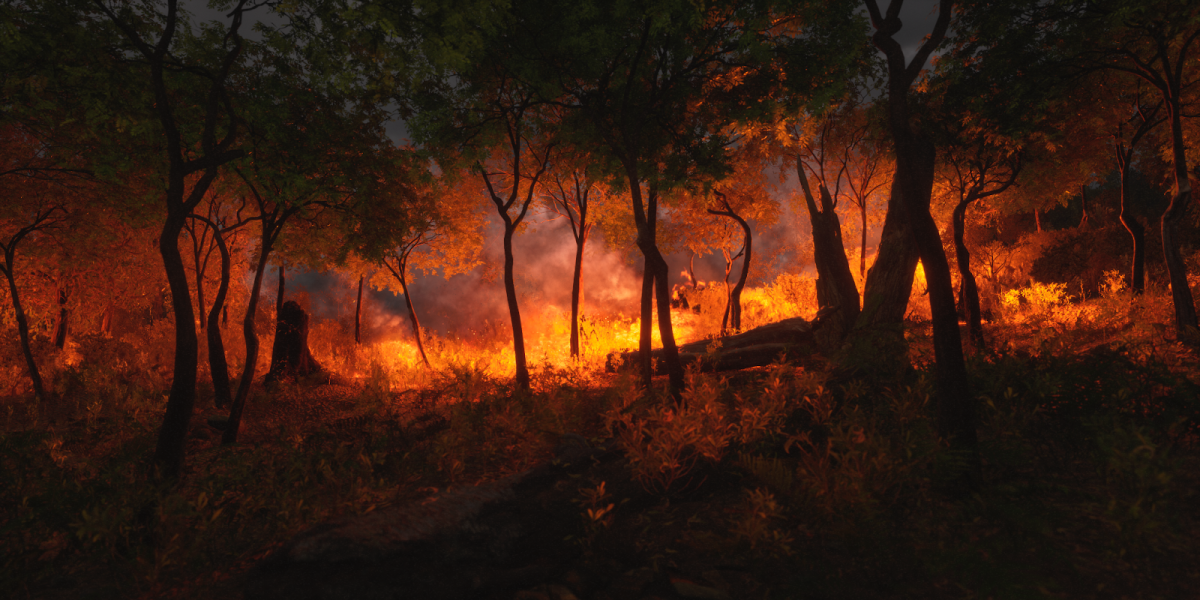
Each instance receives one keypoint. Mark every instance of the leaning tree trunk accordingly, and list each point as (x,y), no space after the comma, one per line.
(39,390)
(412,315)
(734,301)
(969,289)
(836,289)
(654,286)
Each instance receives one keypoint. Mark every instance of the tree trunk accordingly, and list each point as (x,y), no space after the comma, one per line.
(734,297)
(1137,233)
(915,163)
(199,288)
(279,292)
(412,315)
(60,321)
(358,312)
(169,452)
(969,289)
(218,367)
(862,247)
(728,292)
(915,158)
(243,391)
(577,288)
(106,319)
(890,279)
(39,390)
(290,357)
(1172,219)
(836,289)
(654,286)
(514,311)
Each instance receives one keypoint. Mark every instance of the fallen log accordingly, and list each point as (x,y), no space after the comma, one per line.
(756,347)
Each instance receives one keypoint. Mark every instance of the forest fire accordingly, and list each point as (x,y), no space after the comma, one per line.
(644,299)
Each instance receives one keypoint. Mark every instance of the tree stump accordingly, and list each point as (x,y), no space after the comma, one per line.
(290,357)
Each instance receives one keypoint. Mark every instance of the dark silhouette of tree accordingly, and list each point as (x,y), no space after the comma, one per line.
(915,157)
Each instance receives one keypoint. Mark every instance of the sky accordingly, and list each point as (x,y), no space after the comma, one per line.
(544,253)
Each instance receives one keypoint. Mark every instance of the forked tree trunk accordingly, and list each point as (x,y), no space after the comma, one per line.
(654,287)
(915,163)
(734,297)
(218,367)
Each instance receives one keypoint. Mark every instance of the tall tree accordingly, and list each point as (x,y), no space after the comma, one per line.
(1157,42)
(980,165)
(915,159)
(193,155)
(570,193)
(657,86)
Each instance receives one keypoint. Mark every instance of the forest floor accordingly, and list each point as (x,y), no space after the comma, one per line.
(785,481)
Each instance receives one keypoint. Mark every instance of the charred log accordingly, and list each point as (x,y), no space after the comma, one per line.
(754,348)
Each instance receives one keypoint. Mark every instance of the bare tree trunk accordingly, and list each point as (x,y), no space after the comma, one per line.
(60,321)
(862,247)
(358,312)
(217,365)
(835,283)
(514,311)
(243,391)
(890,280)
(577,289)
(280,291)
(1186,326)
(654,286)
(915,164)
(412,315)
(969,289)
(733,305)
(1137,233)
(169,452)
(39,390)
